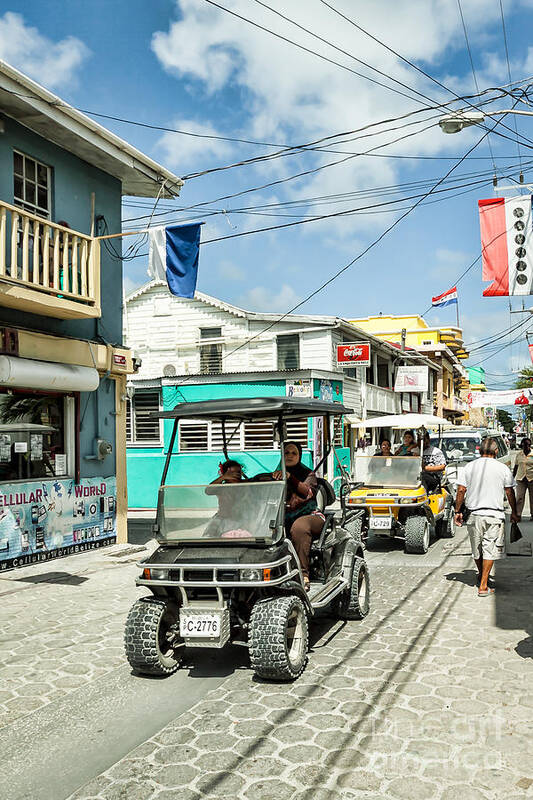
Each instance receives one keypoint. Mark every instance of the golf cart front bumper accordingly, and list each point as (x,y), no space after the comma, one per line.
(223,576)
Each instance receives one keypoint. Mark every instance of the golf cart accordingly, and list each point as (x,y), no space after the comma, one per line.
(390,490)
(225,571)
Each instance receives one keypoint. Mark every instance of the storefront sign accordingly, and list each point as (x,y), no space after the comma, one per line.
(411,379)
(298,388)
(119,360)
(353,354)
(41,520)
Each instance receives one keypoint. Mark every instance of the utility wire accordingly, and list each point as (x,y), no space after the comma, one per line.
(402,58)
(473,71)
(344,52)
(509,73)
(311,51)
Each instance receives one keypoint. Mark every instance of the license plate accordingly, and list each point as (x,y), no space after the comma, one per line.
(199,625)
(380,523)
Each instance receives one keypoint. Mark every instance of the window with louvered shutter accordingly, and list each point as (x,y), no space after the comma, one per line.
(288,351)
(297,431)
(210,351)
(233,436)
(338,432)
(258,435)
(145,429)
(193,435)
(129,434)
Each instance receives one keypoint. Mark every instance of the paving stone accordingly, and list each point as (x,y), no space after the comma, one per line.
(217,784)
(461,791)
(359,780)
(175,775)
(411,788)
(129,790)
(269,790)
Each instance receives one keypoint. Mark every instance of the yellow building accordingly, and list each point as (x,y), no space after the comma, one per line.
(444,346)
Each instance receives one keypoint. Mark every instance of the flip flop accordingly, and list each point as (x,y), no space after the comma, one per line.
(486,592)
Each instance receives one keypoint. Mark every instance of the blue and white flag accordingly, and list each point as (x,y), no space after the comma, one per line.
(445,299)
(173,257)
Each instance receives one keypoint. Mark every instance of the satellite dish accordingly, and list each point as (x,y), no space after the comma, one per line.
(169,371)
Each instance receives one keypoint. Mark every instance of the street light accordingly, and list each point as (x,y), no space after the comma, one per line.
(457,120)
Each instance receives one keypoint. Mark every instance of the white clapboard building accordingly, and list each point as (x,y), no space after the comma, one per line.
(206,339)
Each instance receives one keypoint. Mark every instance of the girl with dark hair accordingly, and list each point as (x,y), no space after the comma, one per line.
(230,471)
(303,520)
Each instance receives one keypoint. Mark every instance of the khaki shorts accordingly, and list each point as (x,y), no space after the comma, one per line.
(487,537)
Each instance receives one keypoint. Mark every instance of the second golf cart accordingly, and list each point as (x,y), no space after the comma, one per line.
(389,487)
(225,570)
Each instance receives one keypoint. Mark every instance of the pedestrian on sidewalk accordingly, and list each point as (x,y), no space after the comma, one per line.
(523,472)
(482,485)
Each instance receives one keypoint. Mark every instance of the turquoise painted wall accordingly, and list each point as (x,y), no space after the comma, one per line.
(145,465)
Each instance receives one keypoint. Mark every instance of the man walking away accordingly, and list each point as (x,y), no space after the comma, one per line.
(484,483)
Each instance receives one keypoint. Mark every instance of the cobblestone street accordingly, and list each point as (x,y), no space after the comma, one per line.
(429,697)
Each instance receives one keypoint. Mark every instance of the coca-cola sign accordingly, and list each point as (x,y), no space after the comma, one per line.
(353,354)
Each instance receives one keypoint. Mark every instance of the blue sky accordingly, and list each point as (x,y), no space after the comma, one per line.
(184,64)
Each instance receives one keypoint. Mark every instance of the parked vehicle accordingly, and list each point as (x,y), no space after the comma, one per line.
(391,493)
(461,445)
(225,571)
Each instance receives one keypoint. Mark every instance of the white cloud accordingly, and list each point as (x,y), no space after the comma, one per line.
(230,271)
(262,299)
(289,95)
(51,63)
(179,151)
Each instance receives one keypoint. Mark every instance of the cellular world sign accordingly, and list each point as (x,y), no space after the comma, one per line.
(353,354)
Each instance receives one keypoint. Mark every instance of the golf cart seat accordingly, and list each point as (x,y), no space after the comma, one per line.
(325,495)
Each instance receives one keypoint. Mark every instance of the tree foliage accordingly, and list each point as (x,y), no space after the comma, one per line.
(505,419)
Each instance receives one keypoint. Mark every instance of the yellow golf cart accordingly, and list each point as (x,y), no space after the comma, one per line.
(389,487)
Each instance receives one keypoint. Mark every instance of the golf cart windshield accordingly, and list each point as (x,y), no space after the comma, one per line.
(388,471)
(245,511)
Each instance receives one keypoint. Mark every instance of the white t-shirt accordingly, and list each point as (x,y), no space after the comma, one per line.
(485,480)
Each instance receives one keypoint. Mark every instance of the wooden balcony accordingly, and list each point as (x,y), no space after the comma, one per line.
(46,268)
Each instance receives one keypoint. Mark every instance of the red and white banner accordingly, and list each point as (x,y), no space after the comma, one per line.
(507,245)
(353,354)
(511,397)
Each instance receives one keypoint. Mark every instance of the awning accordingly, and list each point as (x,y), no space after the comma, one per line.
(47,375)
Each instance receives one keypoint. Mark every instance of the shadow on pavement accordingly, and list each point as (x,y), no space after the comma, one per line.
(54,577)
(215,663)
(467,576)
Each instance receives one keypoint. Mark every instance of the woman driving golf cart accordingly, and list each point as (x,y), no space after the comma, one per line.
(303,520)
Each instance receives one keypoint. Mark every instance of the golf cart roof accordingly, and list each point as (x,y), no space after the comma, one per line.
(401,421)
(254,408)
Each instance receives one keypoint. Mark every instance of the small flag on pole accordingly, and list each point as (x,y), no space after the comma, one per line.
(445,299)
(173,257)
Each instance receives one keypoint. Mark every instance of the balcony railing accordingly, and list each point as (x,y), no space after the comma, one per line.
(383,400)
(46,268)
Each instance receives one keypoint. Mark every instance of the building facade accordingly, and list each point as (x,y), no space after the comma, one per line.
(63,366)
(443,346)
(206,348)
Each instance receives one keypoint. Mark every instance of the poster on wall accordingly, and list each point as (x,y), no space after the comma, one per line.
(411,379)
(41,520)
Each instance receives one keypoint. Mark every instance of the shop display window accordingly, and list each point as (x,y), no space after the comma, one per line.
(36,431)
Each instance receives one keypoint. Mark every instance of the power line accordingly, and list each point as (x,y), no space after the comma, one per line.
(310,50)
(509,73)
(365,250)
(402,58)
(473,70)
(344,52)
